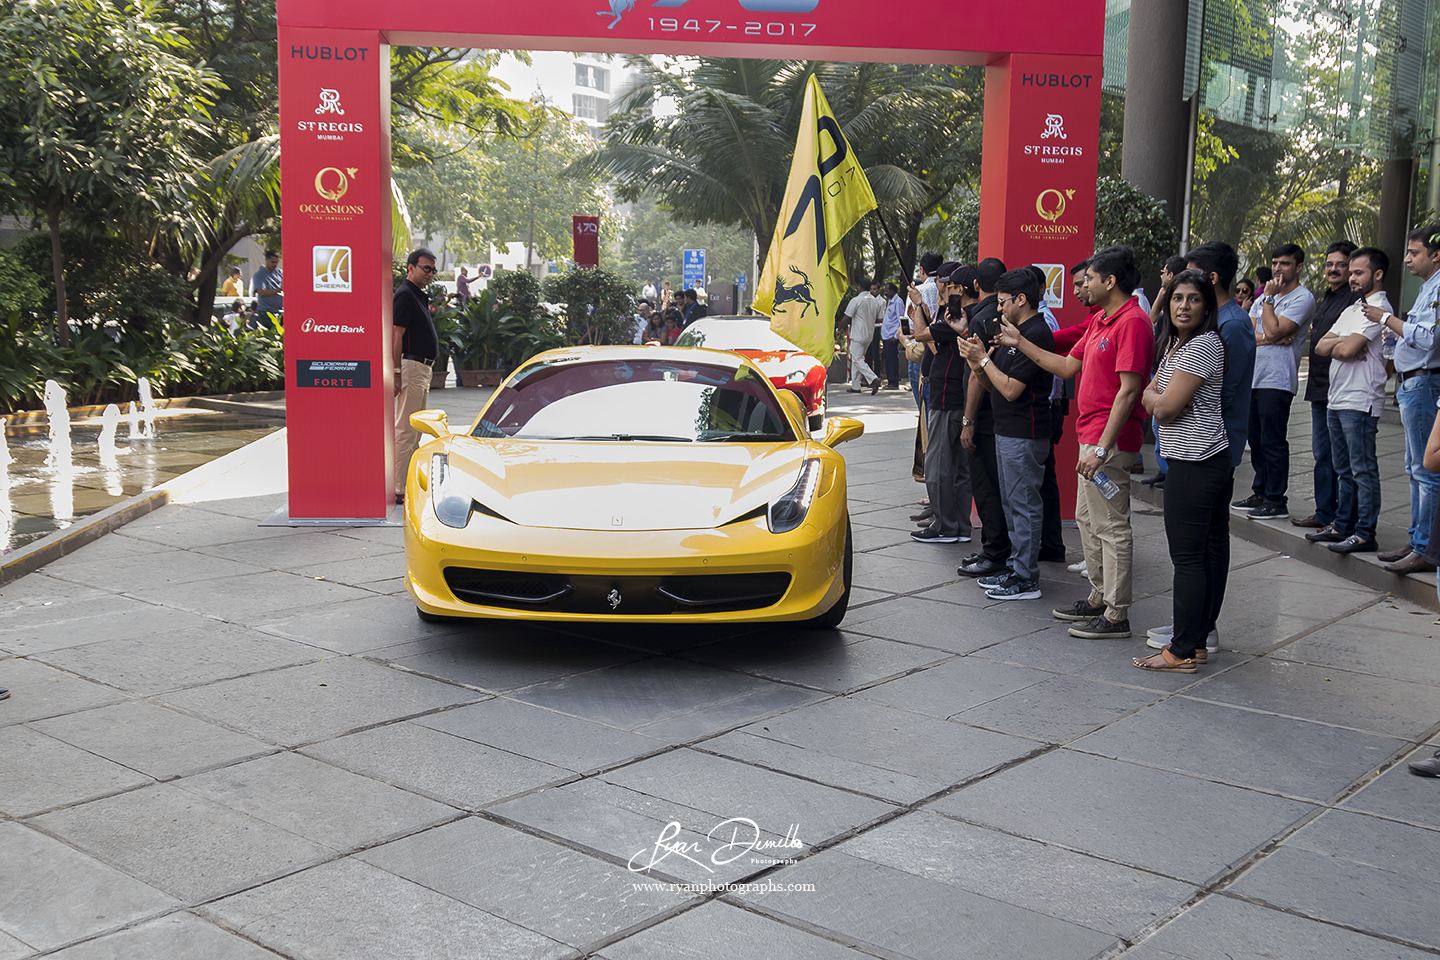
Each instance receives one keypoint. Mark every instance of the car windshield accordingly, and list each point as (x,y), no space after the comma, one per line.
(635,400)
(735,335)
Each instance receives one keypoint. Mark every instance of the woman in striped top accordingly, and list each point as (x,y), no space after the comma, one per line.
(1184,398)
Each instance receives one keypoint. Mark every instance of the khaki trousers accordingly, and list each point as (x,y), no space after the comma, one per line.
(1106,535)
(411,395)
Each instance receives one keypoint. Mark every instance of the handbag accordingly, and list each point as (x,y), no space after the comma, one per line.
(914,351)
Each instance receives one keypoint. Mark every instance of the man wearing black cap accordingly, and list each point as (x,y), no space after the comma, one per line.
(947,475)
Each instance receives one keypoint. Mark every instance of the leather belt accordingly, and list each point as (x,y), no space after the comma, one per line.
(1422,372)
(428,361)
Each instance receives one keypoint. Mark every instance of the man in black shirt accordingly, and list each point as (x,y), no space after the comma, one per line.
(414,346)
(1338,296)
(947,474)
(690,307)
(1020,394)
(978,437)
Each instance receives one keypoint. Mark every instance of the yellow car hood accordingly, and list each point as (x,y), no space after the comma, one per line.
(625,485)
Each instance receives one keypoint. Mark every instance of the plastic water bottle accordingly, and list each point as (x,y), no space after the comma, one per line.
(1108,487)
(1388,347)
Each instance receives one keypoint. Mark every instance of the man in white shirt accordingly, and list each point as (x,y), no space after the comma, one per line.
(863,312)
(1282,326)
(1357,393)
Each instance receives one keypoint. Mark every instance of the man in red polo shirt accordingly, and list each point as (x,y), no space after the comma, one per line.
(1117,354)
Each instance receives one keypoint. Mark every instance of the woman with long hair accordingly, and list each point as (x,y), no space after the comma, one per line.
(1184,399)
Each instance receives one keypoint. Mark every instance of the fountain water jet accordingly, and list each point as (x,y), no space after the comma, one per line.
(59,426)
(109,459)
(147,406)
(134,422)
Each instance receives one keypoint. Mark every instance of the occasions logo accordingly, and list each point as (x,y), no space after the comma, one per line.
(1050,207)
(331,185)
(331,269)
(1053,147)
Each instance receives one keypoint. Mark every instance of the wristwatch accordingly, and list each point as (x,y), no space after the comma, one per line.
(984,360)
(1101,453)
(966,421)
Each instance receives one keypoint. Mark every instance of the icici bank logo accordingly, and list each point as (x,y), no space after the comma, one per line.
(332,183)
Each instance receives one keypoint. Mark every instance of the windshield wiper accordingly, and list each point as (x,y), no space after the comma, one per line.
(657,438)
(740,435)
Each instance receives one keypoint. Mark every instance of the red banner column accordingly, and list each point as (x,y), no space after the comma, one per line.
(335,188)
(1037,175)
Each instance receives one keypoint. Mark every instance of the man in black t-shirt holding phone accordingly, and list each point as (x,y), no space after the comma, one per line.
(1020,399)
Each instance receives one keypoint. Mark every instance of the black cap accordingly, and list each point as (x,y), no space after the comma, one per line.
(964,275)
(942,275)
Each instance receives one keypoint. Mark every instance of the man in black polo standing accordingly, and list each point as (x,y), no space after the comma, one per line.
(1336,298)
(414,345)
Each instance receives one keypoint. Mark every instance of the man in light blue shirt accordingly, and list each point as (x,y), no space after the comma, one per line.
(890,335)
(1417,361)
(268,287)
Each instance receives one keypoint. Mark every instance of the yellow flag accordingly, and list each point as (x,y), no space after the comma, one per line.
(804,275)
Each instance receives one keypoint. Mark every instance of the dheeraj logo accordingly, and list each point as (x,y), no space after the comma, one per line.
(331,269)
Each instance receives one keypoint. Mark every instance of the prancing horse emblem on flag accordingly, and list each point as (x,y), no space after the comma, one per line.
(802,292)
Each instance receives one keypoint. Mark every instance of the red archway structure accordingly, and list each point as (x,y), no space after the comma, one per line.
(1042,115)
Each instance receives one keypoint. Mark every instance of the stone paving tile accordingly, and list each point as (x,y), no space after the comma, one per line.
(881,571)
(317,701)
(1348,645)
(719,931)
(447,768)
(41,629)
(1093,893)
(183,651)
(1328,695)
(554,738)
(1358,871)
(40,772)
(165,567)
(351,910)
(117,545)
(502,657)
(885,740)
(1052,649)
(850,661)
(12,949)
(1396,616)
(318,801)
(1243,747)
(665,698)
(1057,710)
(157,742)
(367,572)
(946,624)
(1215,927)
(1400,794)
(357,625)
(312,547)
(38,691)
(188,525)
(1108,809)
(1290,587)
(183,844)
(944,690)
(914,916)
(497,868)
(787,758)
(179,935)
(42,881)
(20,598)
(251,599)
(727,788)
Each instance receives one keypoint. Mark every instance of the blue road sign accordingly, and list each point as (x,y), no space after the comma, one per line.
(693,271)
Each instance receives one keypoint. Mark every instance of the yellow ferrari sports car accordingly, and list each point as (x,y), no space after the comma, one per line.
(631,484)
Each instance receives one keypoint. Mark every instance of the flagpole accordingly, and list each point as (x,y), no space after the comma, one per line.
(899,260)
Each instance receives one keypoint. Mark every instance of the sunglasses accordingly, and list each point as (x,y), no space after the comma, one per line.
(426,269)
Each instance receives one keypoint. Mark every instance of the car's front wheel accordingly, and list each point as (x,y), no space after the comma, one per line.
(831,618)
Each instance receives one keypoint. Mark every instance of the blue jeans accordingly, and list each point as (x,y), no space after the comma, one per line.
(1159,460)
(1357,471)
(1321,430)
(915,383)
(1418,397)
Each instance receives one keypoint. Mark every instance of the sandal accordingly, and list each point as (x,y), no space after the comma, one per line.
(1165,662)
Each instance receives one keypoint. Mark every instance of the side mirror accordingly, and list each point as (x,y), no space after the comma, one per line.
(432,422)
(840,429)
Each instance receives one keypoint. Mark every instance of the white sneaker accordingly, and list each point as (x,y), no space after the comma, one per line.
(1160,637)
(1078,567)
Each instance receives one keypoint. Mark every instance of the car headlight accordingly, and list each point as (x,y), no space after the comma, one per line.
(451,503)
(789,510)
(795,376)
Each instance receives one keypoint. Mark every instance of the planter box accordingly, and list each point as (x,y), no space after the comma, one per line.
(479,378)
(439,373)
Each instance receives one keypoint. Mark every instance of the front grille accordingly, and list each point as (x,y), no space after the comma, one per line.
(633,595)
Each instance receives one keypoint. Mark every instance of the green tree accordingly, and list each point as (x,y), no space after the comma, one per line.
(101,113)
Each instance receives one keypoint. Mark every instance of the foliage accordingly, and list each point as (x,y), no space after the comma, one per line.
(597,297)
(1124,214)
(519,290)
(487,335)
(653,238)
(450,87)
(20,291)
(102,114)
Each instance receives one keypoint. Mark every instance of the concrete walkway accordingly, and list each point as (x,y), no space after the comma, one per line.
(232,741)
